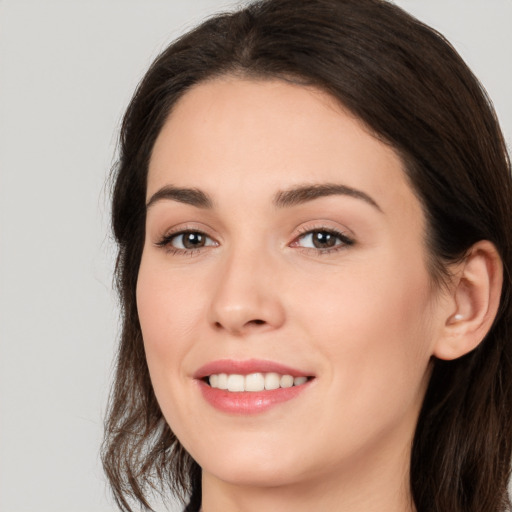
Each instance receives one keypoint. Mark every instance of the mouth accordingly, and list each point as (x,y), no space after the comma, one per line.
(253,382)
(251,386)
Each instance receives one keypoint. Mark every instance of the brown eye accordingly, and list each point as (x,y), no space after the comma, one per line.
(323,239)
(189,240)
(193,240)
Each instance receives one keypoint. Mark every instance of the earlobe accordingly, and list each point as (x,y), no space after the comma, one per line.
(476,297)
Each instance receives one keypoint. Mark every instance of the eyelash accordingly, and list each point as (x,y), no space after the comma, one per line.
(166,242)
(344,241)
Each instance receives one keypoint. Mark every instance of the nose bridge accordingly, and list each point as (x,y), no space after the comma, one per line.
(244,297)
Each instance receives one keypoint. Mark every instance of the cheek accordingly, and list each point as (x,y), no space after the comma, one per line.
(168,307)
(168,310)
(375,327)
(165,323)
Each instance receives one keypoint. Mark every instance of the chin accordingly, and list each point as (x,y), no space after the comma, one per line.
(253,473)
(258,468)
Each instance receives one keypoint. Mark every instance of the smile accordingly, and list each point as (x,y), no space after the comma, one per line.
(254,382)
(251,386)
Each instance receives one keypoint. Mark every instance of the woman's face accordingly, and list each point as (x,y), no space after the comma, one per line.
(284,244)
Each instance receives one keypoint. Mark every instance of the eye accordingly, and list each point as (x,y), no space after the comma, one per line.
(186,241)
(323,239)
(189,240)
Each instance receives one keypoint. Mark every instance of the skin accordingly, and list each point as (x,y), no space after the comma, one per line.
(363,318)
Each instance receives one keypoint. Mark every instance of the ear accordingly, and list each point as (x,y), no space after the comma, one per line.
(475,298)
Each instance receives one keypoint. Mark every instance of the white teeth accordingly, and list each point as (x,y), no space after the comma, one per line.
(236,383)
(272,381)
(286,381)
(254,381)
(299,380)
(223,381)
(214,381)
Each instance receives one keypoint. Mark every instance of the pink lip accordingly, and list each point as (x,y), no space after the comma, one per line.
(248,402)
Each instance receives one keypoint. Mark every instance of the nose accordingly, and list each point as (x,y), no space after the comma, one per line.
(246,298)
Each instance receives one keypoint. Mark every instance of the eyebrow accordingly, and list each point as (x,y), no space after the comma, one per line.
(192,196)
(283,199)
(305,193)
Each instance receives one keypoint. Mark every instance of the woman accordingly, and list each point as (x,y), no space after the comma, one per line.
(312,206)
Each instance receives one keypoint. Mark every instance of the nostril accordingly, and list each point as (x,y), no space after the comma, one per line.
(237,328)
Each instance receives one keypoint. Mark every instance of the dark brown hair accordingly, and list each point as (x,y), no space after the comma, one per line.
(414,92)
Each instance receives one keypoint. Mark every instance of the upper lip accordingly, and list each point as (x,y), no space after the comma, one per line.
(247,366)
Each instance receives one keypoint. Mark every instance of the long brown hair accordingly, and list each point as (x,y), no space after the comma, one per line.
(414,92)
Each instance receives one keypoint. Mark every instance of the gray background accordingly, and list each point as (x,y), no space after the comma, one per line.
(67,70)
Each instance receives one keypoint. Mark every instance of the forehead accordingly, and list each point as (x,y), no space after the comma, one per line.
(234,136)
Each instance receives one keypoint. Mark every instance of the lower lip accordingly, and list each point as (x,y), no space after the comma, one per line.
(248,402)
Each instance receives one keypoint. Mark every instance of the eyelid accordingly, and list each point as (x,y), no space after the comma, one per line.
(183,227)
(323,225)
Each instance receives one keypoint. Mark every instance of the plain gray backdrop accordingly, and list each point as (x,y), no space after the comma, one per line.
(67,71)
